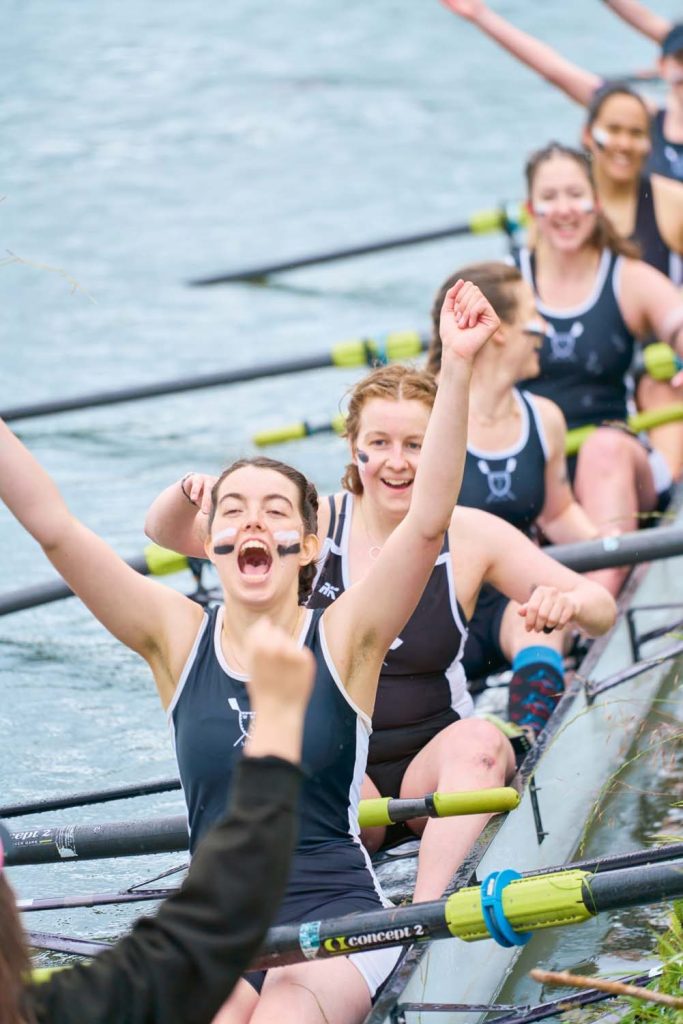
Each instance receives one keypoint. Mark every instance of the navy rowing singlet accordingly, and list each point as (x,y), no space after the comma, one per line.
(666,157)
(653,248)
(210,718)
(422,680)
(510,483)
(587,354)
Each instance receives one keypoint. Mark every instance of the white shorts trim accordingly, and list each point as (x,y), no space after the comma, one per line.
(375,965)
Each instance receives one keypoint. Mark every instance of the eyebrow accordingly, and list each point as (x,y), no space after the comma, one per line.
(240,497)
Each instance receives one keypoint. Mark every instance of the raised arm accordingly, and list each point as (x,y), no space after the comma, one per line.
(151,619)
(178,517)
(562,519)
(367,618)
(641,18)
(573,80)
(651,304)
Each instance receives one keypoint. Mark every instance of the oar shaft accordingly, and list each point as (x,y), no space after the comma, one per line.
(88,842)
(101,796)
(479,223)
(625,549)
(95,899)
(631,887)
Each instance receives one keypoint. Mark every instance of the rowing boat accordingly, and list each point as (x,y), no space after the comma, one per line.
(561,781)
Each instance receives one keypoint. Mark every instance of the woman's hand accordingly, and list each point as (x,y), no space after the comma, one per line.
(467,322)
(197,489)
(548,609)
(469,9)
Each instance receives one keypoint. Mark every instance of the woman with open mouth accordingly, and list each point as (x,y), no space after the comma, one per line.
(423,737)
(262,539)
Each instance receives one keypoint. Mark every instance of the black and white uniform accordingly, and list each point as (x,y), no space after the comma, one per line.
(331,872)
(509,484)
(422,685)
(666,157)
(586,357)
(653,248)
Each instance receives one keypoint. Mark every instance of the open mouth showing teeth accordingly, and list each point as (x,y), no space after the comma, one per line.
(397,485)
(254,558)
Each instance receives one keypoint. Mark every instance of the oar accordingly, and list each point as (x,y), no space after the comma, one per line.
(507,218)
(358,352)
(623,549)
(58,844)
(155,561)
(94,899)
(575,438)
(98,796)
(524,905)
(62,944)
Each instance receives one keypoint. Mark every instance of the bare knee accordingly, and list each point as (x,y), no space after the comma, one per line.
(475,741)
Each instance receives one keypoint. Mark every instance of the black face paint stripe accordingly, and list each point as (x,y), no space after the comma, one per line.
(223,549)
(293,549)
(363,456)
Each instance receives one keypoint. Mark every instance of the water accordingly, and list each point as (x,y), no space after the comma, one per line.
(144,144)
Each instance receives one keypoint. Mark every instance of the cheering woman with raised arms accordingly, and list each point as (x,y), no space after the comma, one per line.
(262,539)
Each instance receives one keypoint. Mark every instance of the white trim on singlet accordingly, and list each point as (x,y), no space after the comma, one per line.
(676,267)
(516,447)
(345,540)
(186,669)
(538,420)
(461,700)
(218,649)
(573,311)
(332,669)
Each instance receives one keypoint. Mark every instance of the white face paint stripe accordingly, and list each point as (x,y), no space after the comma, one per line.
(286,536)
(226,534)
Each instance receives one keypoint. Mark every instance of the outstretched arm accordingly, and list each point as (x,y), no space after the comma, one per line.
(178,518)
(573,80)
(641,18)
(366,619)
(182,964)
(153,620)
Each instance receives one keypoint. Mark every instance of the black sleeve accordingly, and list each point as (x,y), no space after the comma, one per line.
(181,964)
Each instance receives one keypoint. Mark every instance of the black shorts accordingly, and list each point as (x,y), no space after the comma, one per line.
(483,654)
(392,750)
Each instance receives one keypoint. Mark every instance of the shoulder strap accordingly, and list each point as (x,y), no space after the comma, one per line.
(333,515)
(342,518)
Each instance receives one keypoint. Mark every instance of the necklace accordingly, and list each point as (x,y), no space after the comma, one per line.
(237,662)
(374,550)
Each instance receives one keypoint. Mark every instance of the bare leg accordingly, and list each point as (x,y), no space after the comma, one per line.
(470,754)
(238,1008)
(614,483)
(653,394)
(329,992)
(372,838)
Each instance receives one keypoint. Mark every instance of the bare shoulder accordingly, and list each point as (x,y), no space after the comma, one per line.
(668,190)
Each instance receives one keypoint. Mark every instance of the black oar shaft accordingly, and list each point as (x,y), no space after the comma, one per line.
(631,887)
(168,387)
(259,272)
(65,944)
(116,839)
(45,593)
(94,797)
(625,549)
(95,899)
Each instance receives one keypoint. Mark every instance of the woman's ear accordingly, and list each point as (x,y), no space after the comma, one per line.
(309,549)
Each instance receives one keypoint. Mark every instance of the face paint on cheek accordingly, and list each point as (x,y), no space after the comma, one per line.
(363,459)
(288,542)
(221,545)
(600,138)
(585,205)
(541,209)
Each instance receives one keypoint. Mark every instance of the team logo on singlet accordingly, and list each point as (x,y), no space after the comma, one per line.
(243,720)
(327,590)
(563,343)
(499,480)
(675,160)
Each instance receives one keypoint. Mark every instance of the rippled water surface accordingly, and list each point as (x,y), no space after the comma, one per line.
(145,144)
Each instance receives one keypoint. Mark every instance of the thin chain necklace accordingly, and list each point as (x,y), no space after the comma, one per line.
(374,550)
(233,653)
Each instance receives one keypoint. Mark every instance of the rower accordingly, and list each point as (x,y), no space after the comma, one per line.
(515,469)
(597,300)
(182,963)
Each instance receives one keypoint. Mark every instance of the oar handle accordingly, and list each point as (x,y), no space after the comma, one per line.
(648,420)
(390,811)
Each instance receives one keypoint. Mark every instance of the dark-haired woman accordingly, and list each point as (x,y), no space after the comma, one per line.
(262,540)
(181,964)
(597,300)
(665,148)
(424,736)
(516,469)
